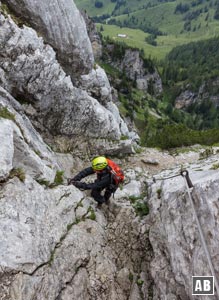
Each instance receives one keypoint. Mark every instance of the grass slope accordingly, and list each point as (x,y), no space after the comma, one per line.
(156,14)
(136,38)
(89,6)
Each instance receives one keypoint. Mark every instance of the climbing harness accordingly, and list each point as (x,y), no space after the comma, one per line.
(189,185)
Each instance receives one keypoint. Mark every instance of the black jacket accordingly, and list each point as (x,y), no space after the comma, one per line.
(104,178)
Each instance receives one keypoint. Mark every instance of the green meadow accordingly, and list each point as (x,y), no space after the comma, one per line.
(155,15)
(136,38)
(89,6)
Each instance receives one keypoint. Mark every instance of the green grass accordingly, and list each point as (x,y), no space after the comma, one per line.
(18,172)
(43,181)
(110,70)
(139,282)
(92,215)
(5,10)
(89,6)
(108,6)
(141,208)
(136,39)
(6,114)
(159,15)
(215,166)
(59,178)
(163,17)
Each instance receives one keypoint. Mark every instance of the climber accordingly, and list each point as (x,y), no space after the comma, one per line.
(109,175)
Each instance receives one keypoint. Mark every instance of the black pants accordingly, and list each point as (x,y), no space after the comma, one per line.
(96,193)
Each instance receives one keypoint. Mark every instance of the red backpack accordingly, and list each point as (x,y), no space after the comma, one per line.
(116,171)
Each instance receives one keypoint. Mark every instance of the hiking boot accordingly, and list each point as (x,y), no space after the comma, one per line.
(100,202)
(107,201)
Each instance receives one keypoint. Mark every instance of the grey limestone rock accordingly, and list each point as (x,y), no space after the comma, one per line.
(57,245)
(35,76)
(62,26)
(178,252)
(7,149)
(134,67)
(93,35)
(207,91)
(21,146)
(97,85)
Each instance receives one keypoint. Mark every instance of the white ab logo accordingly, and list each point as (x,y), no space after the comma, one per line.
(202,285)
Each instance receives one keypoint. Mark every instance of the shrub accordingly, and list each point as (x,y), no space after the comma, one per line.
(172,136)
(59,178)
(215,166)
(17,172)
(43,181)
(92,215)
(57,181)
(139,282)
(205,154)
(141,208)
(98,4)
(159,191)
(124,137)
(6,114)
(151,39)
(131,277)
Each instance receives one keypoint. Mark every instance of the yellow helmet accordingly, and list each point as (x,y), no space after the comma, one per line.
(99,163)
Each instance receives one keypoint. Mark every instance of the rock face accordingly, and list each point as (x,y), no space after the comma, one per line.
(62,26)
(93,35)
(21,146)
(78,259)
(178,252)
(56,244)
(185,99)
(207,92)
(135,68)
(37,76)
(31,73)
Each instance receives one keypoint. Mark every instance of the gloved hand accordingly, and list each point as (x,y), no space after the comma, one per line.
(70,181)
(80,185)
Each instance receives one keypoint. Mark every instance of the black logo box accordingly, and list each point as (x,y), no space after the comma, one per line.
(202,285)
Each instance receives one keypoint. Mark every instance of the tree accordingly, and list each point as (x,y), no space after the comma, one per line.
(181,8)
(98,4)
(216,15)
(151,39)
